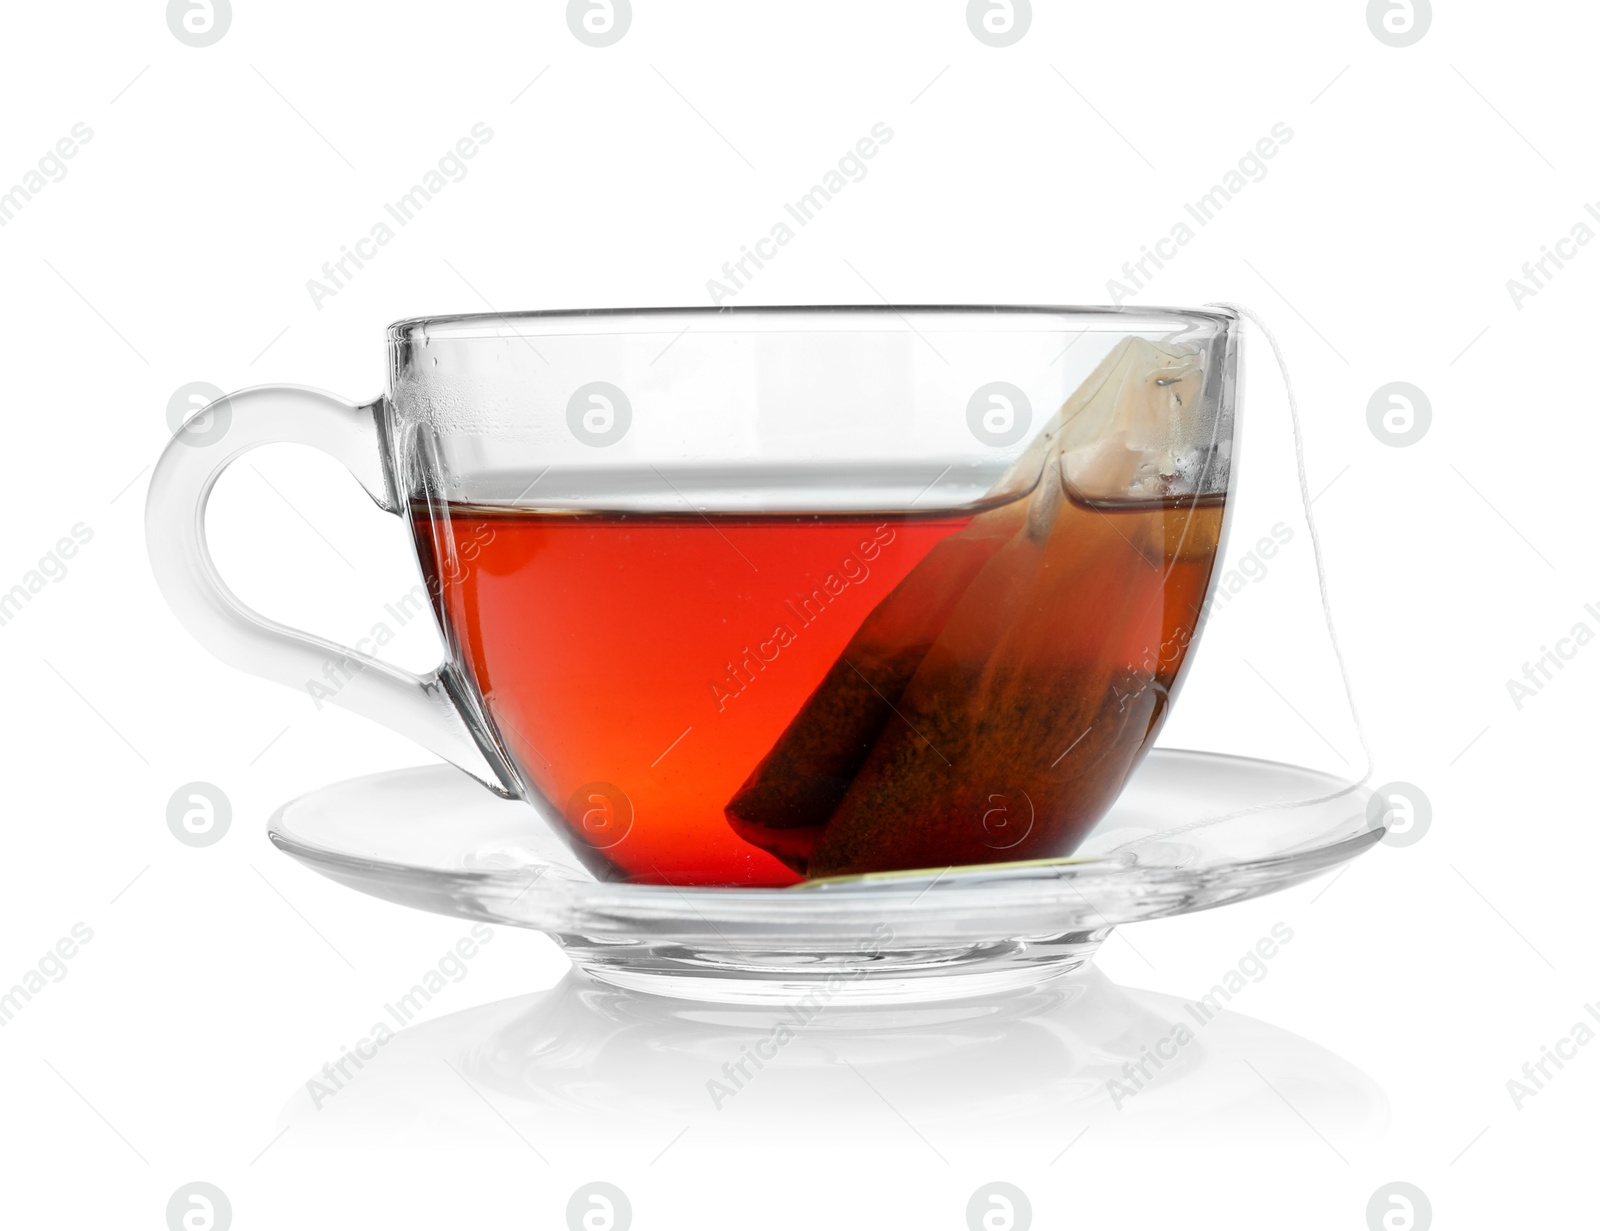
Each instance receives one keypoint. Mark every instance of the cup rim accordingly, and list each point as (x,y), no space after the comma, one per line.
(494,325)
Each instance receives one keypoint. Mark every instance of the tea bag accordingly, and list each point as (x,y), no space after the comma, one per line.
(797,786)
(918,746)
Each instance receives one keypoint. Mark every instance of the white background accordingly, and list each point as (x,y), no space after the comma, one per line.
(218,180)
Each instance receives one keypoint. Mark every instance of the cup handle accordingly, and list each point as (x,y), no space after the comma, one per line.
(419,707)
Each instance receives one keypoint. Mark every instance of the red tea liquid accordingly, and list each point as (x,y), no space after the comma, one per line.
(640,667)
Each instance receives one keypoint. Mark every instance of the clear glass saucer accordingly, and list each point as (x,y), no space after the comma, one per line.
(1191,831)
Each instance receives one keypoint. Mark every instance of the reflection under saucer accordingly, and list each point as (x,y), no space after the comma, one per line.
(583,1063)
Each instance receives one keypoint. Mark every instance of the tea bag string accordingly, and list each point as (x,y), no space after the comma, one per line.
(1327,610)
(1311,526)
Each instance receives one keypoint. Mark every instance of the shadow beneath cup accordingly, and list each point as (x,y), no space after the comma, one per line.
(583,1068)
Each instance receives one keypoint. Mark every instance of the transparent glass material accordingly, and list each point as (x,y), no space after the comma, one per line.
(816,653)
(758,597)
(1191,831)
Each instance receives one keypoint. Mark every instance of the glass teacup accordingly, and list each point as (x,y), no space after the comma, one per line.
(756,596)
